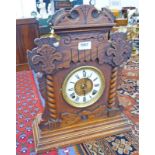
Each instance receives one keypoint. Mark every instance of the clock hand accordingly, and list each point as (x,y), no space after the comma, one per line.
(85,84)
(84,92)
(83,88)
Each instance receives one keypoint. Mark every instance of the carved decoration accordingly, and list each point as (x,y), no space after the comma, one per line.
(102,36)
(46,55)
(119,50)
(58,13)
(35,67)
(43,57)
(72,118)
(108,13)
(42,41)
(49,124)
(67,39)
(83,115)
(46,58)
(84,15)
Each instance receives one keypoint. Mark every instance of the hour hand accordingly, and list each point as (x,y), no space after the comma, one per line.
(83,89)
(84,92)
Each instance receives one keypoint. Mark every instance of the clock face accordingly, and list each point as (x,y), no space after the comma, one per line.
(83,86)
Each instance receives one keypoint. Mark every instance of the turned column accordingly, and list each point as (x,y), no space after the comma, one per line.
(113,88)
(50,100)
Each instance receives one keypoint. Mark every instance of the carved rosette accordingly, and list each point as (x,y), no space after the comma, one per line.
(119,50)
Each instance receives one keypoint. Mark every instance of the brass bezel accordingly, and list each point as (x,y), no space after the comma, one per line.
(89,103)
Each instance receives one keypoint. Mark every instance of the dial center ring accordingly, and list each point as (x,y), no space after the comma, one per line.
(83,86)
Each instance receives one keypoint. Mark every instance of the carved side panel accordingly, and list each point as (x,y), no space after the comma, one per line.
(46,55)
(119,50)
(43,58)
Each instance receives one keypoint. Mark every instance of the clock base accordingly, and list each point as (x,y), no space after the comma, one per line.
(47,140)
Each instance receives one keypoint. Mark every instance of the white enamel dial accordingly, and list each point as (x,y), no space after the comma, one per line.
(83,86)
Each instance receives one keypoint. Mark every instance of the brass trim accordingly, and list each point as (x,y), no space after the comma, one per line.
(89,103)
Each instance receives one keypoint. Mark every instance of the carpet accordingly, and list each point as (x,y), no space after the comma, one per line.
(29,105)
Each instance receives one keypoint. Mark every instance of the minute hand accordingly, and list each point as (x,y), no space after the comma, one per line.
(85,86)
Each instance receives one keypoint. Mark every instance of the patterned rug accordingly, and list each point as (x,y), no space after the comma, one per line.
(29,105)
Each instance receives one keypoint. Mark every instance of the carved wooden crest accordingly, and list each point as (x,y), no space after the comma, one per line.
(85,16)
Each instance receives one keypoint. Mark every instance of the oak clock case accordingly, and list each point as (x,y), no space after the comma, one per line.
(78,76)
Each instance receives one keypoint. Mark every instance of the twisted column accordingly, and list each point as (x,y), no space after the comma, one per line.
(113,88)
(51,102)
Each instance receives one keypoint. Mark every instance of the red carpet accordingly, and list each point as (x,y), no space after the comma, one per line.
(28,106)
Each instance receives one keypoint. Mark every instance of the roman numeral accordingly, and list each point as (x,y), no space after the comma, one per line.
(84,73)
(71,89)
(94,92)
(72,82)
(72,95)
(77,99)
(96,85)
(77,76)
(95,79)
(84,99)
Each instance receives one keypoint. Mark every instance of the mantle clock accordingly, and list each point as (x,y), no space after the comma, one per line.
(78,76)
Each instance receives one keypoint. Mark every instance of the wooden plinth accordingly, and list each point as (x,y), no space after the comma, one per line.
(47,140)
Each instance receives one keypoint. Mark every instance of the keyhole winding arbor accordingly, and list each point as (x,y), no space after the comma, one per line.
(85,41)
